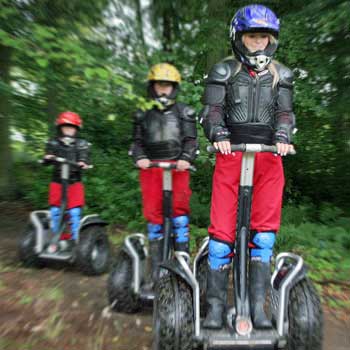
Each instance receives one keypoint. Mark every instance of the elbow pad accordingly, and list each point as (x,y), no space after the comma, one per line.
(188,117)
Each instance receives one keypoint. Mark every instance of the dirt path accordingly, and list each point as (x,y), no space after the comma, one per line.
(57,308)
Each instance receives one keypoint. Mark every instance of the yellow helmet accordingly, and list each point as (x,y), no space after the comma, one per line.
(164,72)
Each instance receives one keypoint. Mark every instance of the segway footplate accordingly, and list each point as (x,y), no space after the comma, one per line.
(226,338)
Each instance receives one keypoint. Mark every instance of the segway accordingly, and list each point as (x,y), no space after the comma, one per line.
(91,251)
(295,305)
(128,283)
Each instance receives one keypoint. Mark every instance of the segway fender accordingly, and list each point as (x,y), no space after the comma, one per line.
(284,279)
(173,267)
(91,220)
(280,277)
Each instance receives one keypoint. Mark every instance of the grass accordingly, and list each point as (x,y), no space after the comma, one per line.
(7,344)
(96,342)
(2,285)
(116,237)
(26,299)
(5,268)
(54,325)
(52,294)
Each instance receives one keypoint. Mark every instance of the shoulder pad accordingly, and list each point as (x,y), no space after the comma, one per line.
(233,63)
(188,113)
(220,73)
(81,143)
(285,75)
(139,115)
(52,142)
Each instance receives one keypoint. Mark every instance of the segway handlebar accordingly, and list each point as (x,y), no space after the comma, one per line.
(166,165)
(251,147)
(61,160)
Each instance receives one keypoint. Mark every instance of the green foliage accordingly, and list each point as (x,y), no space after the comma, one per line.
(92,57)
(65,58)
(115,181)
(325,247)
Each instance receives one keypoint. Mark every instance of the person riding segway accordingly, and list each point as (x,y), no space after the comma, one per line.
(61,234)
(165,133)
(248,118)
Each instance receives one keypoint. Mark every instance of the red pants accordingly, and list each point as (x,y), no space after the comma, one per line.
(75,195)
(267,195)
(152,199)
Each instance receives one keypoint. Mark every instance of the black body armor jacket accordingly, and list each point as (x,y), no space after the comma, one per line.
(247,109)
(76,150)
(168,134)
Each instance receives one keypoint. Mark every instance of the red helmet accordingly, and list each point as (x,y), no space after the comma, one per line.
(69,118)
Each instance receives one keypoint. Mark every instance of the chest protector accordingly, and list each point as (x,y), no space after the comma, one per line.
(250,106)
(76,151)
(162,133)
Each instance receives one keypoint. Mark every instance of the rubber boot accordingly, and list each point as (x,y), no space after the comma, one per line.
(156,257)
(217,284)
(182,247)
(259,278)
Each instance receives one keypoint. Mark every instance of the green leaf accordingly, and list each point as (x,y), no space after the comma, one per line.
(44,32)
(89,72)
(42,62)
(103,73)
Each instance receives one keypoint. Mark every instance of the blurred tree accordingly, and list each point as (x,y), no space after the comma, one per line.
(9,16)
(93,57)
(6,183)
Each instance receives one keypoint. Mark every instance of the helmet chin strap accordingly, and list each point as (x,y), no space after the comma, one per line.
(68,140)
(259,62)
(165,101)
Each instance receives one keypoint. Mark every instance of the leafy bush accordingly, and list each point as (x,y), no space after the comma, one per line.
(319,233)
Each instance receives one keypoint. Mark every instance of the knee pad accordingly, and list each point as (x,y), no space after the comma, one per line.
(181,228)
(154,231)
(55,216)
(264,242)
(220,254)
(75,214)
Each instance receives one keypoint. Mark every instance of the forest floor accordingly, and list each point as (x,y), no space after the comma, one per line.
(59,308)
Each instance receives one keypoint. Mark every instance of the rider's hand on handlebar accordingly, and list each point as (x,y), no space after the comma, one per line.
(182,165)
(143,163)
(223,146)
(83,165)
(48,156)
(283,148)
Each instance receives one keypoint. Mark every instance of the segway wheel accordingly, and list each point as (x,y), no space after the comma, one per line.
(92,251)
(305,317)
(202,276)
(26,248)
(119,286)
(173,323)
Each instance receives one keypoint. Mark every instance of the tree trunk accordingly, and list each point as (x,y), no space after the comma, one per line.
(167,34)
(141,33)
(7,188)
(51,99)
(217,40)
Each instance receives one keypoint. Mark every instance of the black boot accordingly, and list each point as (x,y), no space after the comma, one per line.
(217,284)
(182,247)
(156,255)
(259,277)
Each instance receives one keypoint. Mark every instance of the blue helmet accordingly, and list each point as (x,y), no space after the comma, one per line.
(254,18)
